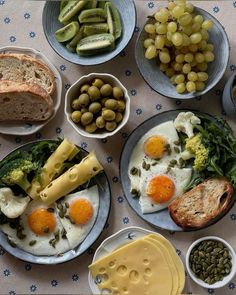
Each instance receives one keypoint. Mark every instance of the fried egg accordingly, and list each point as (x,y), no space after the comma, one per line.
(42,231)
(82,210)
(160,185)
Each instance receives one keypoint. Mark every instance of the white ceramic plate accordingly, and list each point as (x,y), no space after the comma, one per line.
(124,236)
(22,128)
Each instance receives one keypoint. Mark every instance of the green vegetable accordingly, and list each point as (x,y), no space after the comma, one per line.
(16,172)
(218,139)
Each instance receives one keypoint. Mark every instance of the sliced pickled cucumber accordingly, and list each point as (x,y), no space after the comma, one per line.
(95,44)
(91,4)
(94,15)
(71,9)
(71,46)
(113,20)
(101,4)
(96,28)
(63,4)
(68,32)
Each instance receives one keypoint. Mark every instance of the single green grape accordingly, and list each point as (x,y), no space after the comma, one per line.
(188,57)
(196,27)
(180,88)
(161,29)
(202,76)
(148,42)
(185,19)
(207,24)
(198,19)
(179,58)
(192,76)
(199,57)
(202,66)
(164,57)
(151,52)
(209,47)
(170,72)
(177,39)
(171,5)
(159,41)
(195,38)
(172,27)
(200,85)
(209,56)
(179,79)
(189,7)
(177,11)
(193,47)
(149,28)
(162,15)
(205,34)
(177,66)
(186,68)
(191,86)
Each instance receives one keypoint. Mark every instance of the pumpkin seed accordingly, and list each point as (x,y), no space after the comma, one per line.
(61,214)
(135,192)
(177,150)
(176,142)
(59,206)
(32,243)
(67,205)
(134,171)
(51,210)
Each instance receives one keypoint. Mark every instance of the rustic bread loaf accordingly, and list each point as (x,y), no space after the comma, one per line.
(24,68)
(24,102)
(202,205)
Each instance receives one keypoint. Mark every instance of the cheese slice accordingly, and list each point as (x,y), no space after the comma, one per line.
(175,258)
(138,268)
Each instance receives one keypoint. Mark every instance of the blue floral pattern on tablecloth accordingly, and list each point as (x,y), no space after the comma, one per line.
(22,26)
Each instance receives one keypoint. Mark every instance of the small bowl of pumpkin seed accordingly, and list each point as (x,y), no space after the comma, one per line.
(211,262)
(97,105)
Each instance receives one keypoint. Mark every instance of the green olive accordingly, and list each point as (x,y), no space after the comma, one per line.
(110,126)
(75,104)
(121,105)
(98,83)
(118,93)
(118,117)
(84,88)
(86,118)
(83,100)
(103,100)
(94,93)
(106,90)
(83,110)
(100,122)
(111,104)
(91,128)
(76,116)
(95,107)
(108,115)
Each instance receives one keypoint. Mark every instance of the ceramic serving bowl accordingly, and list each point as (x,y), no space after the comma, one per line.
(227,278)
(229,96)
(73,93)
(159,82)
(51,25)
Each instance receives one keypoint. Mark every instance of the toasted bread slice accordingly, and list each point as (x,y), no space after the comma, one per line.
(24,68)
(202,205)
(24,102)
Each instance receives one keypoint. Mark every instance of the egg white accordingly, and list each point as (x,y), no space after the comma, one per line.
(77,233)
(180,177)
(42,246)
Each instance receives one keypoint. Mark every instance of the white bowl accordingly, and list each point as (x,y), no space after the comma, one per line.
(73,92)
(226,279)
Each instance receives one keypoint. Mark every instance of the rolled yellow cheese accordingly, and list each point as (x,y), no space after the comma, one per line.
(71,179)
(52,167)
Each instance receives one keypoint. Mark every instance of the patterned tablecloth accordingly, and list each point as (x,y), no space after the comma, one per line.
(21,25)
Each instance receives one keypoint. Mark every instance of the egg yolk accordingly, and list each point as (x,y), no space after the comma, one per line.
(41,222)
(81,211)
(154,146)
(160,189)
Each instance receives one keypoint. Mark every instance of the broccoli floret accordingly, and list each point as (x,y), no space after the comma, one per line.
(16,172)
(195,149)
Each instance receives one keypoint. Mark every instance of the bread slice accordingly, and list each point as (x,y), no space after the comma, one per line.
(24,68)
(24,102)
(202,205)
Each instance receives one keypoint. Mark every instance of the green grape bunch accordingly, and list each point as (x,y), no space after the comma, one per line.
(178,38)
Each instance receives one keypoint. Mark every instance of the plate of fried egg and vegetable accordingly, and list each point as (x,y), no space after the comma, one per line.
(178,170)
(54,201)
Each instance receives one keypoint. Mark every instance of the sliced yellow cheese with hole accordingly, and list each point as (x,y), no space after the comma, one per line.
(137,268)
(177,261)
(173,270)
(52,167)
(71,179)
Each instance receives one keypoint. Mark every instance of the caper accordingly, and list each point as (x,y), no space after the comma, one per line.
(84,88)
(106,90)
(83,100)
(76,116)
(94,93)
(86,118)
(111,104)
(118,117)
(98,82)
(121,106)
(117,92)
(100,122)
(91,128)
(75,104)
(110,126)
(95,107)
(108,115)
(83,110)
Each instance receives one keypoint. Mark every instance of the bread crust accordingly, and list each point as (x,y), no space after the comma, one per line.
(18,90)
(202,205)
(37,63)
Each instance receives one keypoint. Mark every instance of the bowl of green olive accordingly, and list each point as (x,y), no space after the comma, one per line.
(211,262)
(97,105)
